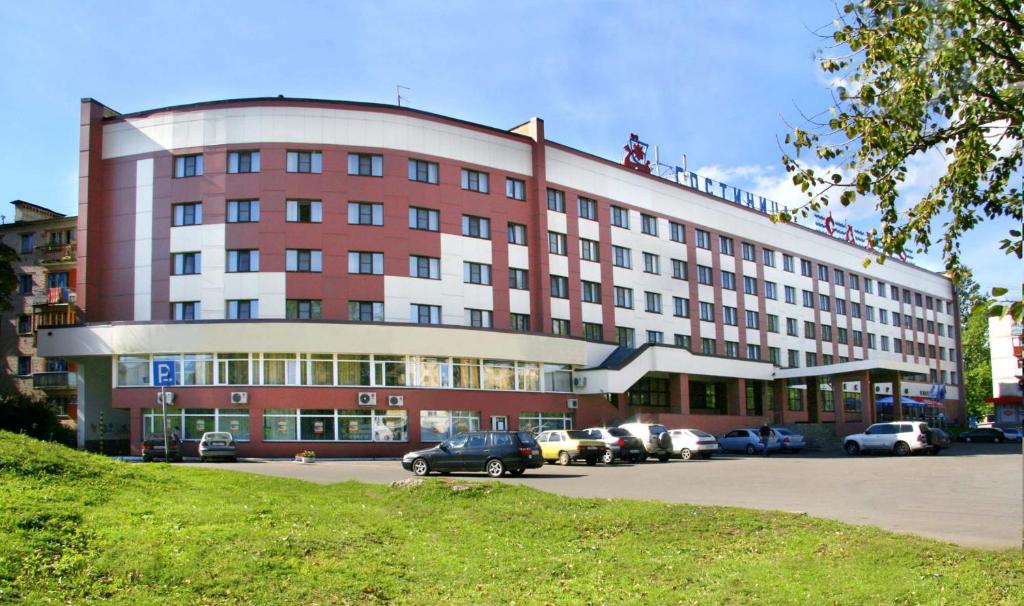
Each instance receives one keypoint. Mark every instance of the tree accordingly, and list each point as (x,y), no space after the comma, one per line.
(919,76)
(8,279)
(975,352)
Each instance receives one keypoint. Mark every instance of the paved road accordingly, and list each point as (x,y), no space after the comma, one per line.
(971,495)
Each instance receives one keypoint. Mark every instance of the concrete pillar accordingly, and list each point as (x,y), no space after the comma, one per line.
(679,393)
(869,413)
(781,401)
(838,400)
(741,393)
(897,397)
(732,397)
(813,401)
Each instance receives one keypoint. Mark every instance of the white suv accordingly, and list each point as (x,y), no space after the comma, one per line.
(900,438)
(657,442)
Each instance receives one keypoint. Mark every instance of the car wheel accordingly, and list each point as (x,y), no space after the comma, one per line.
(517,472)
(608,457)
(591,461)
(751,449)
(495,468)
(686,454)
(662,458)
(564,458)
(420,467)
(202,459)
(852,449)
(901,449)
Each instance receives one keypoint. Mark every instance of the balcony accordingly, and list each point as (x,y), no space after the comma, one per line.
(56,255)
(54,380)
(54,307)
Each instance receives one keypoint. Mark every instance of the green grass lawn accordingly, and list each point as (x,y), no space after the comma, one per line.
(78,529)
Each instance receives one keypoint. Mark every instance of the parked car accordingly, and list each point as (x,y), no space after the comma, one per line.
(747,440)
(983,434)
(789,441)
(938,440)
(619,444)
(654,437)
(568,445)
(217,445)
(153,447)
(492,452)
(1013,434)
(688,443)
(901,438)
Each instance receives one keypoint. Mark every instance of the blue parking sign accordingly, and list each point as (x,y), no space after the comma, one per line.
(163,373)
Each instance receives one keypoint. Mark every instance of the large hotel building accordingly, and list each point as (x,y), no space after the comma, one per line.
(362,279)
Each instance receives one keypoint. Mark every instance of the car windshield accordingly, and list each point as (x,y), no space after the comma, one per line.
(784,432)
(700,434)
(217,436)
(618,432)
(578,434)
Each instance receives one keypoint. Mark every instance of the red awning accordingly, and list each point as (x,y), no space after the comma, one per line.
(1005,400)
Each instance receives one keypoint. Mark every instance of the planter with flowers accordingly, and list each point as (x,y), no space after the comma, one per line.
(306,456)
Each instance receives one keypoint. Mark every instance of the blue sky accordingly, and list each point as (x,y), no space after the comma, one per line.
(713,80)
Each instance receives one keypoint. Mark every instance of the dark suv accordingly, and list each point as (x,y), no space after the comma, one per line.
(493,452)
(153,447)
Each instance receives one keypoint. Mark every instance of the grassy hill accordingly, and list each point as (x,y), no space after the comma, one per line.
(77,529)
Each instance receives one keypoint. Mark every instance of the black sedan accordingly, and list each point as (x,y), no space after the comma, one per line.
(493,452)
(983,434)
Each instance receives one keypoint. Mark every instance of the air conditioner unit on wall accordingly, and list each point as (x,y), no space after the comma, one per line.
(367,398)
(239,397)
(572,403)
(579,382)
(396,400)
(167,396)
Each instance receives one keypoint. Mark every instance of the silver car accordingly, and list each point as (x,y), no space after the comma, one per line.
(217,445)
(688,443)
(789,441)
(747,440)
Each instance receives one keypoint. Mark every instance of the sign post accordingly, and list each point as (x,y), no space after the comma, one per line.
(163,375)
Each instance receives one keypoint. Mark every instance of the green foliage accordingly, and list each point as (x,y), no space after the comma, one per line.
(77,528)
(21,413)
(921,76)
(977,362)
(8,279)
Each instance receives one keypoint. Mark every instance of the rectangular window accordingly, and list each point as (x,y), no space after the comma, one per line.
(185,310)
(25,284)
(24,324)
(728,280)
(653,301)
(771,291)
(591,291)
(726,246)
(812,358)
(680,270)
(826,333)
(559,327)
(592,332)
(479,318)
(791,327)
(682,341)
(519,322)
(805,268)
(823,273)
(655,337)
(515,188)
(677,232)
(885,343)
(477,181)
(517,234)
(883,316)
(186,263)
(243,211)
(753,352)
(620,217)
(365,165)
(732,349)
(366,311)
(808,299)
(426,219)
(303,260)
(476,273)
(623,297)
(729,315)
(869,287)
(768,255)
(304,211)
(424,267)
(424,314)
(681,307)
(622,257)
(649,224)
(787,263)
(556,200)
(748,251)
(871,340)
(750,285)
(365,262)
(625,336)
(243,162)
(790,295)
(243,309)
(24,366)
(27,243)
(858,338)
(560,287)
(773,323)
(809,331)
(707,346)
(793,359)
(897,346)
(422,171)
(476,227)
(556,243)
(243,261)
(703,239)
(840,307)
(753,319)
(589,250)
(190,213)
(305,162)
(895,319)
(841,336)
(775,356)
(855,310)
(704,275)
(839,277)
(854,282)
(518,279)
(652,263)
(587,208)
(706,311)
(365,213)
(188,166)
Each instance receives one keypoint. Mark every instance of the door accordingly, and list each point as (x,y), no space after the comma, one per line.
(734,440)
(550,447)
(476,452)
(499,423)
(449,458)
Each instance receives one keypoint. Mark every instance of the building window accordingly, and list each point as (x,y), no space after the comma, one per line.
(365,213)
(840,307)
(620,217)
(625,336)
(185,264)
(304,211)
(519,322)
(424,267)
(365,262)
(728,280)
(556,243)
(732,349)
(649,224)
(842,337)
(423,171)
(707,346)
(808,299)
(655,337)
(787,263)
(652,263)
(560,287)
(243,162)
(826,333)
(653,302)
(705,275)
(839,277)
(680,270)
(772,323)
(479,318)
(682,341)
(793,358)
(805,268)
(752,319)
(365,165)
(775,356)
(790,295)
(591,291)
(518,279)
(677,232)
(27,243)
(477,181)
(559,326)
(897,346)
(592,332)
(726,246)
(188,214)
(515,188)
(25,284)
(750,285)
(243,309)
(854,282)
(824,302)
(869,286)
(476,273)
(623,297)
(24,324)
(587,208)
(812,359)
(589,250)
(823,273)
(703,239)
(809,331)
(556,200)
(792,325)
(476,227)
(426,219)
(872,344)
(243,261)
(681,307)
(770,290)
(303,260)
(748,251)
(366,311)
(243,211)
(753,353)
(855,311)
(768,255)
(729,315)
(622,257)
(794,397)
(305,162)
(706,311)
(424,314)
(24,366)
(517,234)
(188,166)
(186,310)
(302,309)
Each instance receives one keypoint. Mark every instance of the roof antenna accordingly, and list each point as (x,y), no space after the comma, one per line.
(398,94)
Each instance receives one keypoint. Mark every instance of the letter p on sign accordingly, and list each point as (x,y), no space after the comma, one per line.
(163,373)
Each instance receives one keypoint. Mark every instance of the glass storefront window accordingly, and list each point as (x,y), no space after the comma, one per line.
(318,369)
(316,425)
(433,372)
(391,426)
(536,422)
(465,373)
(198,422)
(192,423)
(279,424)
(557,377)
(356,425)
(527,376)
(280,369)
(499,374)
(198,369)
(236,422)
(233,368)
(439,425)
(389,370)
(353,370)
(132,371)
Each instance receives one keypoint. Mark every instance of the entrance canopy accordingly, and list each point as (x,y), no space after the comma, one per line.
(879,369)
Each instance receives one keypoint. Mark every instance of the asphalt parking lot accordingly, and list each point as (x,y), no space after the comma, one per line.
(971,495)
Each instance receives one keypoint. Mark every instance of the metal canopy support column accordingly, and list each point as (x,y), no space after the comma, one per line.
(897,397)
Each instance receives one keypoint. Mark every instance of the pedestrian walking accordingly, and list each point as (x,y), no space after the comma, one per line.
(766,434)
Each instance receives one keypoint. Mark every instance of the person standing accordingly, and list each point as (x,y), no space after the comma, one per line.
(766,434)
